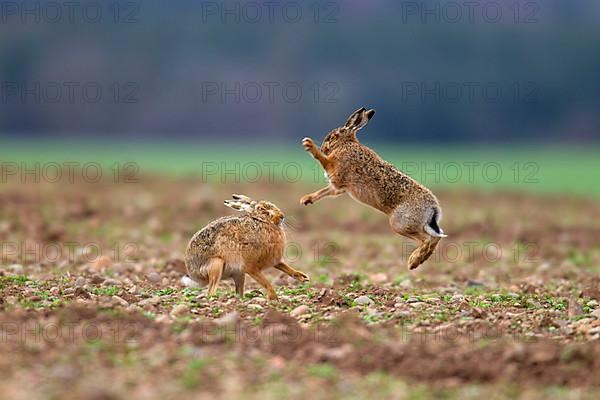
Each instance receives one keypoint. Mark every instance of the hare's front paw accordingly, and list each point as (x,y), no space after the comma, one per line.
(301,276)
(308,144)
(306,200)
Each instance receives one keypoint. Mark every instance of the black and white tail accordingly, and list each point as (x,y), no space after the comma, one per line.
(433,227)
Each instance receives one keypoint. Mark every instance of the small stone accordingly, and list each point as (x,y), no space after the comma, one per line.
(255,307)
(402,314)
(472,283)
(574,308)
(133,308)
(97,279)
(111,282)
(120,301)
(363,300)
(592,303)
(165,281)
(16,269)
(299,311)
(457,298)
(413,300)
(151,301)
(179,310)
(406,284)
(596,313)
(102,263)
(379,278)
(162,319)
(153,277)
(80,281)
(535,304)
(373,312)
(149,307)
(228,319)
(594,333)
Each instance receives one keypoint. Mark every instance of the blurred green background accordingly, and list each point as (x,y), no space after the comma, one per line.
(176,86)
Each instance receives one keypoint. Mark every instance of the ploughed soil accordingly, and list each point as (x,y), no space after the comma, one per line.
(91,304)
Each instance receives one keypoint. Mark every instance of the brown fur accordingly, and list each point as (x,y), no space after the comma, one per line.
(231,247)
(356,169)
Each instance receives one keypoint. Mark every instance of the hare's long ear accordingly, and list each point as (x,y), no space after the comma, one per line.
(241,197)
(359,119)
(240,203)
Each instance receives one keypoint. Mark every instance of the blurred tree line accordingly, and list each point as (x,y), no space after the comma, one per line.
(278,71)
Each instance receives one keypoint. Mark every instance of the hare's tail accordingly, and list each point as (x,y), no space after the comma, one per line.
(433,227)
(189,282)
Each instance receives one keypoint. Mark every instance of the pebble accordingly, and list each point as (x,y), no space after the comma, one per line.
(379,278)
(255,307)
(111,282)
(133,308)
(16,269)
(151,300)
(121,301)
(153,277)
(596,313)
(373,312)
(363,300)
(80,281)
(162,318)
(594,333)
(228,319)
(97,279)
(592,303)
(402,314)
(406,284)
(472,283)
(413,300)
(299,311)
(179,310)
(457,298)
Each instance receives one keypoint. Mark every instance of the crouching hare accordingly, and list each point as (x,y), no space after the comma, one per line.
(351,167)
(234,246)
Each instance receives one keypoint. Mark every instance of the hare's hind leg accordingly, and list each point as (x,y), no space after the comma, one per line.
(294,273)
(426,247)
(239,280)
(214,268)
(409,224)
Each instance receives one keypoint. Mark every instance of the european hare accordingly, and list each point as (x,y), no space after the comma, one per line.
(234,246)
(351,167)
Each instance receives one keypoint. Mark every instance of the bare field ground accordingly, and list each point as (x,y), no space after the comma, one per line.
(91,304)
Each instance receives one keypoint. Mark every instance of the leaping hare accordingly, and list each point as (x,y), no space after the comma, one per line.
(234,246)
(351,167)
